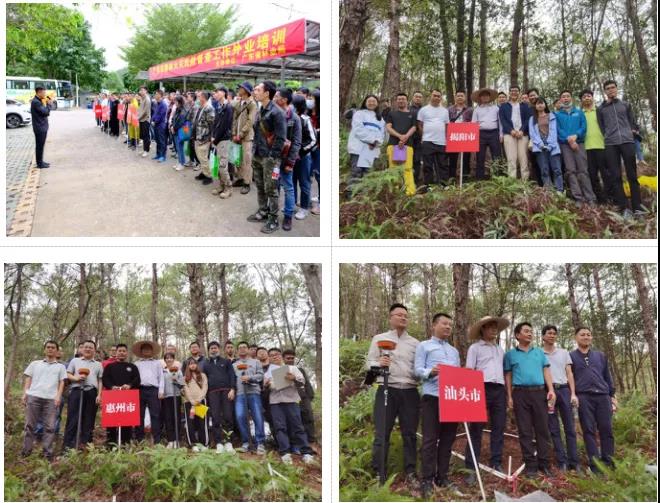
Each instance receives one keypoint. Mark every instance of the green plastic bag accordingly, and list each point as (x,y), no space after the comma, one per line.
(235,153)
(214,163)
(186,148)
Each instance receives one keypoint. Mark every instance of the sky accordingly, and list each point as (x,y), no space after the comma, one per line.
(112,28)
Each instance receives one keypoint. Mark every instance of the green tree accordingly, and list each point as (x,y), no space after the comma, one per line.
(171,31)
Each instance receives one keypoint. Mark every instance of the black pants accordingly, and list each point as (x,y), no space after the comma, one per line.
(595,412)
(437,439)
(496,406)
(149,399)
(40,142)
(308,419)
(197,430)
(563,410)
(417,162)
(453,165)
(531,411)
(221,415)
(613,156)
(404,404)
(145,135)
(88,417)
(598,173)
(488,139)
(436,169)
(169,415)
(288,428)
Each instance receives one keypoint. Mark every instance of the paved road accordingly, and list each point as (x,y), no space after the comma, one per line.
(97,187)
(20,149)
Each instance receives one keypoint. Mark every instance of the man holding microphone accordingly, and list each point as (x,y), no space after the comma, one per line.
(40,109)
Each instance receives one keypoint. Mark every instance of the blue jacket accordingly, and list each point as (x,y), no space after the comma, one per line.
(551,140)
(596,377)
(505,117)
(569,124)
(159,117)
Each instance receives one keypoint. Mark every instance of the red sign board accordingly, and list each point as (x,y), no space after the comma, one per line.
(462,137)
(120,408)
(279,42)
(461,394)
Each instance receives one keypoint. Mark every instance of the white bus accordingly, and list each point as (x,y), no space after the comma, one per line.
(22,89)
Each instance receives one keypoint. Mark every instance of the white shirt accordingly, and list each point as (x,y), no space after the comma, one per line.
(515,116)
(434,121)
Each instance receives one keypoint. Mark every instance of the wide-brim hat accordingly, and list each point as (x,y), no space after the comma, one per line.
(137,348)
(479,92)
(247,86)
(475,330)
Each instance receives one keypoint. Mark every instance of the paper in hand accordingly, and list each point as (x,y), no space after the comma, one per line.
(279,378)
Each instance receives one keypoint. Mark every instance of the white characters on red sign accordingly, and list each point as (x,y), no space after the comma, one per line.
(463,394)
(462,137)
(117,408)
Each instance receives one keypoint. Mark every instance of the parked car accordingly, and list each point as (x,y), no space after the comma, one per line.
(18,114)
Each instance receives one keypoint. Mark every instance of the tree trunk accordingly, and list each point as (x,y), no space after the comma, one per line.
(312,273)
(197,302)
(515,41)
(154,303)
(594,45)
(460,45)
(461,279)
(575,312)
(563,44)
(392,77)
(355,14)
(15,295)
(111,304)
(483,43)
(100,318)
(82,333)
(647,317)
(469,63)
(446,51)
(224,303)
(525,44)
(647,73)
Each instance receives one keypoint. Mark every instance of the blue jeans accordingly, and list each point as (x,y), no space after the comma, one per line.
(161,142)
(316,168)
(639,153)
(251,402)
(179,149)
(564,409)
(302,176)
(286,182)
(548,163)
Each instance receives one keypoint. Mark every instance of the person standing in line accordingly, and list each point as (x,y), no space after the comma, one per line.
(194,393)
(487,356)
(203,131)
(42,393)
(459,112)
(403,397)
(571,130)
(596,399)
(490,130)
(437,437)
(245,112)
(594,144)
(159,122)
(417,104)
(144,117)
(249,379)
(401,126)
(221,139)
(221,381)
(545,146)
(514,118)
(564,384)
(432,122)
(152,387)
(527,377)
(618,125)
(40,110)
(171,403)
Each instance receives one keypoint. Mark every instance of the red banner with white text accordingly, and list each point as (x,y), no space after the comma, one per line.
(120,408)
(461,395)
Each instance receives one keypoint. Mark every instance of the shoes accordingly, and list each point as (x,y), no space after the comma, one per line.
(239,183)
(531,474)
(196,448)
(412,481)
(243,448)
(42,166)
(562,467)
(575,468)
(471,479)
(426,489)
(261,449)
(207,181)
(287,459)
(301,214)
(178,167)
(627,214)
(196,167)
(444,483)
(225,194)
(270,227)
(636,213)
(256,217)
(545,471)
(155,158)
(216,191)
(145,154)
(200,176)
(286,223)
(308,459)
(188,164)
(219,448)
(162,159)
(229,448)
(245,189)
(316,209)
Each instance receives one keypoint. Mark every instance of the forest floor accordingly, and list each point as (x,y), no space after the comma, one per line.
(142,472)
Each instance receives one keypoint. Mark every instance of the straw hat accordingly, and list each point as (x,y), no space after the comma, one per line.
(478,92)
(475,330)
(137,348)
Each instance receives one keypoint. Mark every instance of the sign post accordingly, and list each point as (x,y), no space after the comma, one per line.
(462,137)
(120,408)
(462,398)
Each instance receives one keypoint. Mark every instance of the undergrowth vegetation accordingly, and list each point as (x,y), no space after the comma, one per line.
(634,426)
(141,473)
(499,208)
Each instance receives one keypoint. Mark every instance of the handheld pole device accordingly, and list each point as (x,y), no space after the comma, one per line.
(83,373)
(174,370)
(386,347)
